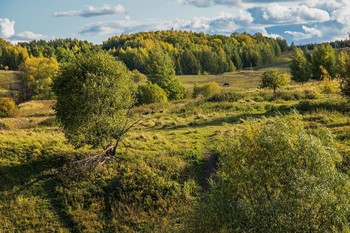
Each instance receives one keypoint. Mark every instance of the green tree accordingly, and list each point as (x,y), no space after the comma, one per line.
(190,64)
(324,55)
(274,79)
(150,93)
(37,78)
(344,72)
(277,178)
(161,71)
(300,67)
(93,95)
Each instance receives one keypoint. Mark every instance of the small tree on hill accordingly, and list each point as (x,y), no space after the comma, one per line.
(161,71)
(274,79)
(94,94)
(300,67)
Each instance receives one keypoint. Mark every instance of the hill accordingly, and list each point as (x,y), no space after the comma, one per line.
(160,174)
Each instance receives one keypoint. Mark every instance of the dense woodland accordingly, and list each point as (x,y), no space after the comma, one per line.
(192,53)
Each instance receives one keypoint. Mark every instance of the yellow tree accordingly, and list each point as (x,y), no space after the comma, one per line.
(37,78)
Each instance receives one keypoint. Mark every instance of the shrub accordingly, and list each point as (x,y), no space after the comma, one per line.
(290,96)
(277,178)
(225,97)
(151,93)
(207,90)
(329,105)
(311,94)
(8,107)
(263,96)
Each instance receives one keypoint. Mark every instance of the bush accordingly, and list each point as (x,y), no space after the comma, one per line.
(8,107)
(290,96)
(277,178)
(329,105)
(151,93)
(225,97)
(206,90)
(311,94)
(263,96)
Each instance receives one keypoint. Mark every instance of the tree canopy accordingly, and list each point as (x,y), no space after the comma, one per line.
(325,56)
(194,53)
(300,67)
(274,79)
(37,78)
(93,95)
(160,70)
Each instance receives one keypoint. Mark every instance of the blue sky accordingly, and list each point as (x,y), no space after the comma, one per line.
(300,21)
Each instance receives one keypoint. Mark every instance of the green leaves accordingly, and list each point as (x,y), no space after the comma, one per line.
(278,178)
(93,94)
(323,55)
(161,71)
(274,79)
(300,67)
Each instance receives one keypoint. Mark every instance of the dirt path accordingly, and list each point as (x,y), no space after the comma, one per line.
(210,166)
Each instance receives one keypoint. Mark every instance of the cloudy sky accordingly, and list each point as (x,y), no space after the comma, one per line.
(301,21)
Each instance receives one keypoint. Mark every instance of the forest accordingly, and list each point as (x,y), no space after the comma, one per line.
(174,131)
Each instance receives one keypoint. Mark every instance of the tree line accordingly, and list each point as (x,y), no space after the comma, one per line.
(197,53)
(324,63)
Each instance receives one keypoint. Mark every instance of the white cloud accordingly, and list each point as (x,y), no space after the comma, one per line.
(225,23)
(308,33)
(28,36)
(7,28)
(197,3)
(342,14)
(7,31)
(94,11)
(277,13)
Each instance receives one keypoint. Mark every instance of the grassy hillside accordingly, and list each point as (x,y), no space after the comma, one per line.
(162,170)
(6,79)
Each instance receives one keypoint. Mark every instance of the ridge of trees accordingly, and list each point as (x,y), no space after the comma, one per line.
(195,53)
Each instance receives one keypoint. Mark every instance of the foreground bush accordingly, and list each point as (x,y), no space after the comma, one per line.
(277,178)
(7,107)
(151,93)
(207,90)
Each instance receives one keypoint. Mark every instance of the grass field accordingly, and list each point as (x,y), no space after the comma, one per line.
(160,173)
(6,80)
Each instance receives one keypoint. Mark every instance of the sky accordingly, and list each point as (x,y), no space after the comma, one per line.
(298,21)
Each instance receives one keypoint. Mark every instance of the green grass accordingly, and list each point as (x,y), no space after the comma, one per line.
(157,177)
(239,81)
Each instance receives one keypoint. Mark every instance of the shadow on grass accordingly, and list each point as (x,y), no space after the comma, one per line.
(26,175)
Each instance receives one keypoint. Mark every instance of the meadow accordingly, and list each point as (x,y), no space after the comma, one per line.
(163,167)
